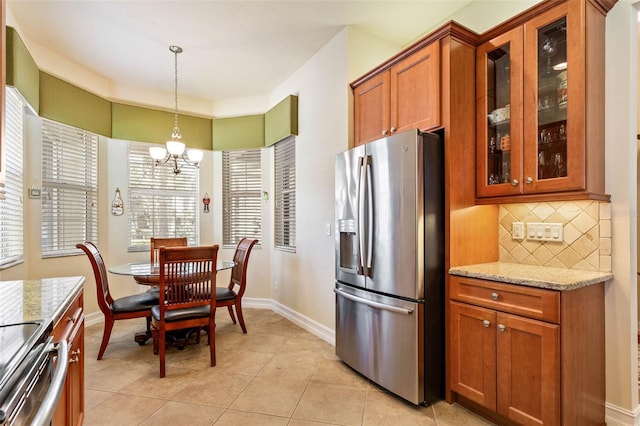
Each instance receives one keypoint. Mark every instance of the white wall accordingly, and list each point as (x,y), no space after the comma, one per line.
(621,180)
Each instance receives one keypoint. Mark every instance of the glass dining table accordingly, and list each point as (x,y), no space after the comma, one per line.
(147,273)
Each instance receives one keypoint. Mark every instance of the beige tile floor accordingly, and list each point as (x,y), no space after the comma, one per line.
(276,374)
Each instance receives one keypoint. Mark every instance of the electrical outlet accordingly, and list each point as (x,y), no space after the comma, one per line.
(517,230)
(545,231)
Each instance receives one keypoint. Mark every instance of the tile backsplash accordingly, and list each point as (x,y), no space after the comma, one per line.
(586,241)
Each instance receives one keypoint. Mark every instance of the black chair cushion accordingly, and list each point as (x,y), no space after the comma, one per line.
(223,293)
(181,314)
(135,303)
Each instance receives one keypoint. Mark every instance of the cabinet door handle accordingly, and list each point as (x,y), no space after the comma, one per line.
(515,182)
(69,319)
(495,296)
(384,132)
(393,129)
(486,323)
(76,352)
(529,180)
(501,327)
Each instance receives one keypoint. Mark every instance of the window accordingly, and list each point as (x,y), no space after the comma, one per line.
(161,204)
(241,196)
(285,195)
(11,210)
(69,188)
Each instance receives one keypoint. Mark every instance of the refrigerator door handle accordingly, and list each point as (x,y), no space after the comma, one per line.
(361,207)
(373,304)
(369,217)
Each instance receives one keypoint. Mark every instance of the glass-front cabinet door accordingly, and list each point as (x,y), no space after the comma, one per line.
(554,138)
(499,123)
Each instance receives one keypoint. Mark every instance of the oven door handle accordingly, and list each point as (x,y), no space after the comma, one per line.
(50,401)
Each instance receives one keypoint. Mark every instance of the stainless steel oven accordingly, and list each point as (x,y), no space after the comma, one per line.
(32,373)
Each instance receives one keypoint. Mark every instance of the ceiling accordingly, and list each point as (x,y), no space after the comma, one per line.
(232,49)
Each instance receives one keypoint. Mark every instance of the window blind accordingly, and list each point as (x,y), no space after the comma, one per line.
(69,188)
(241,196)
(285,195)
(160,203)
(11,208)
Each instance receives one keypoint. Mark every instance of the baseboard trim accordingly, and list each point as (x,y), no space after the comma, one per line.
(312,326)
(617,416)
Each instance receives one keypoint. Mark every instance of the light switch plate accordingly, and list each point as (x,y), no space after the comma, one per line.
(545,231)
(517,230)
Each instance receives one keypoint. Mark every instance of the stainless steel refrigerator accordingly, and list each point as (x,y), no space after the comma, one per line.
(390,263)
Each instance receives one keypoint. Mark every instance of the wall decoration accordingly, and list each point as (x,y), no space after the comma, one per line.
(205,201)
(117,205)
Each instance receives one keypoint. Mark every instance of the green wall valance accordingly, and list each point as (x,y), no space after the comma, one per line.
(238,132)
(22,71)
(281,121)
(154,126)
(65,103)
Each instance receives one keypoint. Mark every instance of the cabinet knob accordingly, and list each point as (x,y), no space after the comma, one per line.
(495,296)
(76,352)
(486,323)
(393,129)
(515,182)
(384,132)
(529,180)
(74,360)
(501,327)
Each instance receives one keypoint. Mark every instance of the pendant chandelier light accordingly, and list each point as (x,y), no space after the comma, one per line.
(175,147)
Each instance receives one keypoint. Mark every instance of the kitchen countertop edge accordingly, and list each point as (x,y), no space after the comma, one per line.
(532,276)
(57,314)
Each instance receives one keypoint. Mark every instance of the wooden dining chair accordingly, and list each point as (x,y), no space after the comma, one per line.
(232,294)
(186,275)
(127,307)
(154,244)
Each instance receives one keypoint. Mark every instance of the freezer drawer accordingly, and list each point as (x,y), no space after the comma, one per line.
(381,337)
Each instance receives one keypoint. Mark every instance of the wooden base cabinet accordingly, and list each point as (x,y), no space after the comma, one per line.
(528,356)
(70,410)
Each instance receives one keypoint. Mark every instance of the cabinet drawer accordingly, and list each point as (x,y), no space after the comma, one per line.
(527,301)
(68,321)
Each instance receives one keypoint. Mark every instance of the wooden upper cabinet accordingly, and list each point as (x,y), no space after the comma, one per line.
(415,91)
(403,96)
(540,112)
(371,108)
(499,108)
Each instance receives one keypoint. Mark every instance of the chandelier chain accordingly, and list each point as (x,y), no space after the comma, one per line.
(176,130)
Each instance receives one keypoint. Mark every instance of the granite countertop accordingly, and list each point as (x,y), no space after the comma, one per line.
(37,299)
(532,276)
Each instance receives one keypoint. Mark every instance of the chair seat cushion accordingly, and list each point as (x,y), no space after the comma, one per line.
(223,293)
(181,314)
(135,303)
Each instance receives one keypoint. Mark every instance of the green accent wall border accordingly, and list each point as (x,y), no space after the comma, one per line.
(155,126)
(65,103)
(244,132)
(22,71)
(281,121)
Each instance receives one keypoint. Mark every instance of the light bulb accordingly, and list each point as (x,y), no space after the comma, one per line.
(175,148)
(157,152)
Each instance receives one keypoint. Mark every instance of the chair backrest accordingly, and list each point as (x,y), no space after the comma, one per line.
(241,258)
(187,275)
(100,273)
(156,243)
